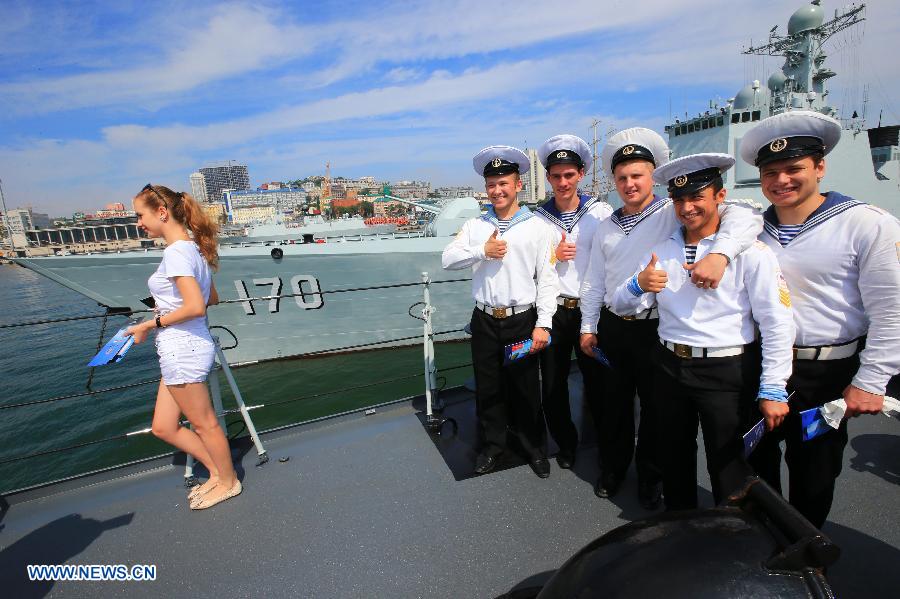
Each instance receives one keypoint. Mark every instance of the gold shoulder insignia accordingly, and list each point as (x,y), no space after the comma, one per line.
(784,294)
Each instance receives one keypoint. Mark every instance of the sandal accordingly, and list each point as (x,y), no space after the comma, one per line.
(205,502)
(198,491)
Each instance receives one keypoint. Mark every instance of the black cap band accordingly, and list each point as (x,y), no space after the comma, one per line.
(498,166)
(563,156)
(789,147)
(693,182)
(631,152)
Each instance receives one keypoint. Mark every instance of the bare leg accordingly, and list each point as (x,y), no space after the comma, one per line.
(166,417)
(193,400)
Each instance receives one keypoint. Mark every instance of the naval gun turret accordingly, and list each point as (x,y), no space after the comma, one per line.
(755,545)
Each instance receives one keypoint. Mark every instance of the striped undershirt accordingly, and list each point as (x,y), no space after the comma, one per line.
(627,221)
(690,253)
(786,233)
(503,225)
(567,218)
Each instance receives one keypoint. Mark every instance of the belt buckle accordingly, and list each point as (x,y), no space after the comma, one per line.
(498,312)
(628,317)
(570,302)
(682,351)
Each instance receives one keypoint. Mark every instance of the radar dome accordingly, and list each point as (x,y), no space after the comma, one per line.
(776,81)
(744,98)
(806,18)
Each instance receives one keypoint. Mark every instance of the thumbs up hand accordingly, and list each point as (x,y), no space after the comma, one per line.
(565,250)
(652,280)
(495,248)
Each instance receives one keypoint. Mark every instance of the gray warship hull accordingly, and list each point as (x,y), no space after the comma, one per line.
(320,312)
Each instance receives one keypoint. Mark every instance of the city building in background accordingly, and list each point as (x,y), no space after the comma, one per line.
(198,187)
(281,199)
(215,211)
(229,175)
(411,190)
(534,185)
(19,221)
(252,214)
(114,210)
(449,193)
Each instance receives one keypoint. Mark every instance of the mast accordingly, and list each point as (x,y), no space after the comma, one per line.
(800,83)
(12,243)
(595,183)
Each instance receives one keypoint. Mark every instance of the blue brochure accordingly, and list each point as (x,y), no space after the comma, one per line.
(601,357)
(115,349)
(813,423)
(517,351)
(752,437)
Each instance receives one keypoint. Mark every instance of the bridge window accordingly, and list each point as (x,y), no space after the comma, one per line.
(745,117)
(755,115)
(735,117)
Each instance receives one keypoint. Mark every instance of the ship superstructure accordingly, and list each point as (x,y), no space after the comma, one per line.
(855,167)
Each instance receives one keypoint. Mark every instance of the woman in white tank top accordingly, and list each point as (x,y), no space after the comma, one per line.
(182,288)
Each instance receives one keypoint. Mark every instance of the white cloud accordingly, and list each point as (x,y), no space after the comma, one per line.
(236,39)
(441,89)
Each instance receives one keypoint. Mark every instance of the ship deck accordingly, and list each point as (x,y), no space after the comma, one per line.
(368,506)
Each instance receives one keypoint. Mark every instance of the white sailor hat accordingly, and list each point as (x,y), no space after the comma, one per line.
(789,135)
(500,160)
(565,149)
(692,173)
(632,144)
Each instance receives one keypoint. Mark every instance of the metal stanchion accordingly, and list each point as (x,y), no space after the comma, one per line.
(216,393)
(433,422)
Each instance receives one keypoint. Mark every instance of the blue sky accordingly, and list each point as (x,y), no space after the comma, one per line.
(101,97)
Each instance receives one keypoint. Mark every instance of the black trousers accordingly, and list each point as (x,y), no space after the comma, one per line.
(813,466)
(556,361)
(629,346)
(720,394)
(506,396)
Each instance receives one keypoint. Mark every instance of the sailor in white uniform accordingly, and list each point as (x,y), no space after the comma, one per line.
(573,219)
(515,286)
(841,260)
(707,367)
(621,241)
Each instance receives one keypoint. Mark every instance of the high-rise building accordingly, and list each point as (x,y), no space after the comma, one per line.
(21,220)
(198,187)
(229,175)
(534,189)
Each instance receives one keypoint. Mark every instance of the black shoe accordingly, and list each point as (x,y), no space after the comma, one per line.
(484,463)
(565,459)
(607,485)
(541,467)
(649,495)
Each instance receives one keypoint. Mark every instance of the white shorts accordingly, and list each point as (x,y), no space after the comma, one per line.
(185,359)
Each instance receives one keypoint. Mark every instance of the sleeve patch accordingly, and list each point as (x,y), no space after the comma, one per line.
(784,295)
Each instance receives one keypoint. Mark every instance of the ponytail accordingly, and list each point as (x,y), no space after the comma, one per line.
(187,211)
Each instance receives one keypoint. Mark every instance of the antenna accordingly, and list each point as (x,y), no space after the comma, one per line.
(865,101)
